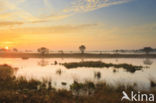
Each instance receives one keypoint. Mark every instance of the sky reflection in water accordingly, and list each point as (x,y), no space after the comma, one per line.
(62,77)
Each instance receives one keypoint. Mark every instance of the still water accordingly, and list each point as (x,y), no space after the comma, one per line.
(61,77)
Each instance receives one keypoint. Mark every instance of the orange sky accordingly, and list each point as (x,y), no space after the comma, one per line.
(27,24)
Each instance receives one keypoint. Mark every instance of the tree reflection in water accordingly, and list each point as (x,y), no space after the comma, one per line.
(147,61)
(43,62)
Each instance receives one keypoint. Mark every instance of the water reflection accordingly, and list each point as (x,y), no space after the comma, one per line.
(82,59)
(43,62)
(147,61)
(116,59)
(62,77)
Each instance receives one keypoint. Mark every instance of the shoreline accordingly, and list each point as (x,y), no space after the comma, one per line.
(74,55)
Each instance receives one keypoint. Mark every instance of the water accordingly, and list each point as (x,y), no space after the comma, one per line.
(61,77)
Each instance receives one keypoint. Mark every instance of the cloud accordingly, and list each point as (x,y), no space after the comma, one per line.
(77,6)
(50,17)
(11,10)
(56,16)
(6,5)
(22,1)
(47,4)
(90,5)
(59,29)
(10,23)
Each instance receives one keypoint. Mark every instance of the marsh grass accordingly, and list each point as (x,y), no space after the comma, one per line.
(20,90)
(97,75)
(5,72)
(59,72)
(128,67)
(82,89)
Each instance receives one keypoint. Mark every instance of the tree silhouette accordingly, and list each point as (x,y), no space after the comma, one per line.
(61,51)
(82,48)
(43,50)
(15,50)
(147,50)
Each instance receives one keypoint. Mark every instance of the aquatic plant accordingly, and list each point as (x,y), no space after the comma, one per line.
(64,83)
(97,75)
(82,89)
(59,72)
(128,67)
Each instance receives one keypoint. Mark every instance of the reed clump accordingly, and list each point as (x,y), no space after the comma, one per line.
(128,67)
(20,90)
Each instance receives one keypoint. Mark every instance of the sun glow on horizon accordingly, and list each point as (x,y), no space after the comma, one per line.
(7,48)
(103,25)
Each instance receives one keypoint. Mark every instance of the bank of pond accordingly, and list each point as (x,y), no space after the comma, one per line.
(20,90)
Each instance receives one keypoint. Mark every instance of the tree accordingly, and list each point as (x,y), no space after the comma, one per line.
(61,51)
(147,50)
(15,50)
(82,48)
(43,50)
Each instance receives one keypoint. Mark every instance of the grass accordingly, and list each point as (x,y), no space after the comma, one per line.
(14,90)
(82,89)
(5,72)
(59,72)
(128,67)
(97,75)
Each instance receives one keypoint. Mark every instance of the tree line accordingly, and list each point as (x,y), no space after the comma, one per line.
(44,50)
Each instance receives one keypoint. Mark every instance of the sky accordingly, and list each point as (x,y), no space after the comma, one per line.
(67,24)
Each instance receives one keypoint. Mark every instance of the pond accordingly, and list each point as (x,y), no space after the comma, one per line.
(61,77)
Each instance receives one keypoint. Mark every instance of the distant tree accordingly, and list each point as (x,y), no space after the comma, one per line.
(116,51)
(15,50)
(100,52)
(147,50)
(43,50)
(82,48)
(61,51)
(3,50)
